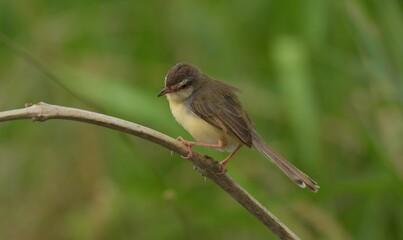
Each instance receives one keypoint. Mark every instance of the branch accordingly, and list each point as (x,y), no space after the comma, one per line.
(205,164)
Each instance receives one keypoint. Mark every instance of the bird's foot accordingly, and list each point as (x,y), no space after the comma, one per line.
(188,145)
(223,168)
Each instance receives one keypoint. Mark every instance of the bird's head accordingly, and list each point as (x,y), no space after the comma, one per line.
(181,81)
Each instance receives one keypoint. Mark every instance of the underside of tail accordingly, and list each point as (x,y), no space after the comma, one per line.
(300,178)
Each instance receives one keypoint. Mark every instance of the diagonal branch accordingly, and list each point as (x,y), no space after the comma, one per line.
(206,165)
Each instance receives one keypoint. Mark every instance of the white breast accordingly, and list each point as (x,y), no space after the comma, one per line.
(198,128)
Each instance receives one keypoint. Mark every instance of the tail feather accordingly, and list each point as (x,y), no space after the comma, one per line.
(300,178)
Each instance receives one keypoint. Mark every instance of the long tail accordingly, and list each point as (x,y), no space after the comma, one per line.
(300,178)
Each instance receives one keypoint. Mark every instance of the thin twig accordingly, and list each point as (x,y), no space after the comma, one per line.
(206,165)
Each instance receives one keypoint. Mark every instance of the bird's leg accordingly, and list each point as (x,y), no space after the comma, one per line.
(190,144)
(221,143)
(225,161)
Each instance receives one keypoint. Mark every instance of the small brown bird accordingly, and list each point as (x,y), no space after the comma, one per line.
(211,112)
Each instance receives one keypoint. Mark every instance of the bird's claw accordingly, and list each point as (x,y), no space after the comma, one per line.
(188,145)
(223,168)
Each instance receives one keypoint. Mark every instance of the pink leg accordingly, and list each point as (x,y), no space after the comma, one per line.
(225,161)
(190,144)
(220,144)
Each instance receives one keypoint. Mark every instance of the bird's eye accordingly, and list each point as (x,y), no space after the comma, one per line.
(185,85)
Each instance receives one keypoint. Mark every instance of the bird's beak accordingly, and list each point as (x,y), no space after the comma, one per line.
(164,91)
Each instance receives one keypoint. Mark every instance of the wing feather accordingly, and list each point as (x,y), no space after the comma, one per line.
(223,110)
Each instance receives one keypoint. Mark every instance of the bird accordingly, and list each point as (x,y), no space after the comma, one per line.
(210,111)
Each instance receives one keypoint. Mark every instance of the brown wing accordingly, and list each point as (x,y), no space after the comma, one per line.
(223,110)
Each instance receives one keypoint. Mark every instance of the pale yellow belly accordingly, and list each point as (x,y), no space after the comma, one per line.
(200,129)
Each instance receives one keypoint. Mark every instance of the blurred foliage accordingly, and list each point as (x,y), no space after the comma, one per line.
(322,80)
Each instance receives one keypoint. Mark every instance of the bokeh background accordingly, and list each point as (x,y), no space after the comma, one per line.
(322,80)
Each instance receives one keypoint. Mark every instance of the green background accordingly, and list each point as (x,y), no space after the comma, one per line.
(322,81)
